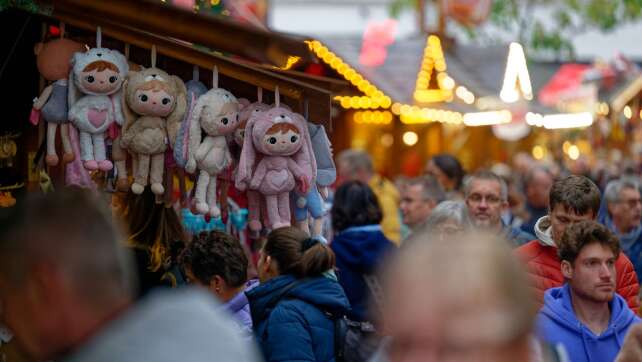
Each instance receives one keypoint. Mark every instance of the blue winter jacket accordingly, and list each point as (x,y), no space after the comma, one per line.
(297,329)
(557,324)
(359,250)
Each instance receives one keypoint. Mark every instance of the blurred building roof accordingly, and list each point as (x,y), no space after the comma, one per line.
(480,69)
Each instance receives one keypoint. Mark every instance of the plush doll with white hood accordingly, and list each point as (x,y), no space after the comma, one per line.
(96,78)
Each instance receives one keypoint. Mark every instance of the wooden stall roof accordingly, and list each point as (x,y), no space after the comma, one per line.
(315,95)
(215,32)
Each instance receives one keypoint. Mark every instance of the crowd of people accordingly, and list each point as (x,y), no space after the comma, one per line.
(525,263)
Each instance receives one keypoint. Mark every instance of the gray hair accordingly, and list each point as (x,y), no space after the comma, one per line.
(356,160)
(615,187)
(448,211)
(488,176)
(431,188)
(74,232)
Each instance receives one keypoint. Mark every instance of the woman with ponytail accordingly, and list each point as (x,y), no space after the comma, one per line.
(293,309)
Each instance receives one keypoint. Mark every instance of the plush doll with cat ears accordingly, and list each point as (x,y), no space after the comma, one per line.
(154,103)
(281,137)
(216,114)
(94,97)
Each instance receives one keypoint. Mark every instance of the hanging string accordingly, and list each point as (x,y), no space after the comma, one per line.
(99,38)
(215,77)
(127,51)
(62,30)
(259,95)
(195,73)
(153,56)
(305,110)
(277,100)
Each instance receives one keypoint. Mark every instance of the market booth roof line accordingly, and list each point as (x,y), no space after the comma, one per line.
(316,99)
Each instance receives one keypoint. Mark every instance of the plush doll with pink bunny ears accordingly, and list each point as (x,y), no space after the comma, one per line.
(217,114)
(281,137)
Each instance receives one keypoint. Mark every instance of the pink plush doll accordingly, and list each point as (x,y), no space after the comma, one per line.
(216,114)
(154,104)
(53,60)
(98,75)
(253,197)
(281,138)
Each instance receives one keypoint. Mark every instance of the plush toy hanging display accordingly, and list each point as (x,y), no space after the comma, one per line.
(154,104)
(216,114)
(96,77)
(311,204)
(281,137)
(254,203)
(53,61)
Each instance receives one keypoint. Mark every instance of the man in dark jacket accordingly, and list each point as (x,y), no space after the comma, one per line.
(623,215)
(585,315)
(486,198)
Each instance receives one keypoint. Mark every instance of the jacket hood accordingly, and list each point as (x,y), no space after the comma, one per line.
(150,330)
(320,291)
(543,231)
(558,307)
(361,247)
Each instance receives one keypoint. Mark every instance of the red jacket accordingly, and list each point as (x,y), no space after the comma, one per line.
(543,265)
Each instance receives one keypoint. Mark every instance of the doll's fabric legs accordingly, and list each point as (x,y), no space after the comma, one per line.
(99,152)
(272,204)
(284,208)
(201,193)
(156,175)
(66,143)
(52,158)
(120,159)
(211,197)
(141,174)
(87,151)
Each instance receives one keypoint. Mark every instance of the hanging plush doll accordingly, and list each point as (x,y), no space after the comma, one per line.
(311,204)
(154,103)
(216,114)
(97,75)
(254,204)
(53,60)
(282,138)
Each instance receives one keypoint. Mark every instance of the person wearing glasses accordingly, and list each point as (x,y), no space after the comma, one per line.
(486,196)
(623,217)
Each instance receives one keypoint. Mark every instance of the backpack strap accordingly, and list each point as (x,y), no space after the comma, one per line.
(272,304)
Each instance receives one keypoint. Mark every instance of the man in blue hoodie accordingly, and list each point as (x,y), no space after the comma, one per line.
(585,315)
(623,216)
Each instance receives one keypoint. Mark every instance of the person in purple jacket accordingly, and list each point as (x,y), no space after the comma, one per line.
(586,315)
(217,262)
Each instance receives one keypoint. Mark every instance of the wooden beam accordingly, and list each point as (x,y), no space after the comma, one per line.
(319,99)
(208,30)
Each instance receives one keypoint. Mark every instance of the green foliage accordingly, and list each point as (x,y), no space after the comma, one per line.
(566,19)
(28,5)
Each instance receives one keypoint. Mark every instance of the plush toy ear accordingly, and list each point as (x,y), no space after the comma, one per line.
(174,118)
(244,102)
(127,112)
(195,126)
(38,48)
(248,157)
(306,154)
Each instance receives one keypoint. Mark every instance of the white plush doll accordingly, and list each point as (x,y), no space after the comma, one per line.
(217,114)
(97,75)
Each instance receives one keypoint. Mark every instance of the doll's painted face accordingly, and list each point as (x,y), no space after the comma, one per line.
(282,139)
(101,77)
(222,123)
(154,99)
